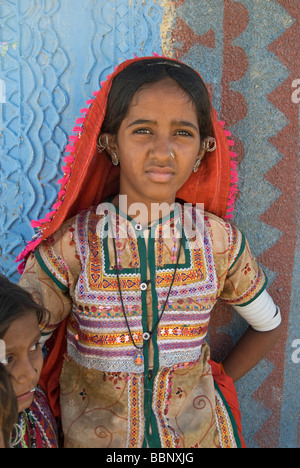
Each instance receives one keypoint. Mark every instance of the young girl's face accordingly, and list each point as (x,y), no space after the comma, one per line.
(2,445)
(24,357)
(161,121)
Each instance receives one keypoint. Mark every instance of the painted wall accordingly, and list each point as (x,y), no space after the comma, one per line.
(54,54)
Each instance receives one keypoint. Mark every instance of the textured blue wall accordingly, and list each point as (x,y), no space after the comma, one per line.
(53,56)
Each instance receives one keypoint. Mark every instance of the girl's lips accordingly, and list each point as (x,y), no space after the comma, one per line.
(25,396)
(160,174)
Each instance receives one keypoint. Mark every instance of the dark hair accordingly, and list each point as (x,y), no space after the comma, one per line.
(150,71)
(8,406)
(15,302)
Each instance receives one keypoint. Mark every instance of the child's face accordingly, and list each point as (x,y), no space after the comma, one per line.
(24,357)
(2,445)
(161,119)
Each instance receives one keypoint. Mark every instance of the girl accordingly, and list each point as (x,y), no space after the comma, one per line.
(133,280)
(20,318)
(8,402)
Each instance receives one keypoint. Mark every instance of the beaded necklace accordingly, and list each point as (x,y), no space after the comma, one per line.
(31,433)
(27,423)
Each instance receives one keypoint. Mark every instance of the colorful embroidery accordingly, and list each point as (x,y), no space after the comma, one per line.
(224,425)
(97,295)
(53,265)
(160,248)
(258,284)
(38,424)
(246,269)
(88,338)
(195,285)
(135,412)
(236,244)
(103,344)
(159,403)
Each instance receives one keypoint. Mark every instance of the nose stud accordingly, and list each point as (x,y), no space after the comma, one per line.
(172,154)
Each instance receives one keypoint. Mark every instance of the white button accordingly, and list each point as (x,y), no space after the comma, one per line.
(138,227)
(143,286)
(146,336)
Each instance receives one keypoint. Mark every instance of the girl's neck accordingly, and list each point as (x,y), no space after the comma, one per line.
(147,212)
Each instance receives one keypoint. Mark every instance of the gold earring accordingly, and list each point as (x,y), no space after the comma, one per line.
(197,164)
(114,158)
(210,144)
(101,147)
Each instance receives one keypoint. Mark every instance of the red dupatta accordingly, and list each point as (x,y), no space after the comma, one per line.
(89,178)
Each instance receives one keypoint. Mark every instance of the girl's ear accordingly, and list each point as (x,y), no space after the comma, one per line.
(208,145)
(202,150)
(107,142)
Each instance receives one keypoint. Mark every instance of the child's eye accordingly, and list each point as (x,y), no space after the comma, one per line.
(142,131)
(36,346)
(183,133)
(8,360)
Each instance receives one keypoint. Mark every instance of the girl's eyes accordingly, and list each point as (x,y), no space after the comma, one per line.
(36,346)
(10,358)
(142,131)
(5,361)
(146,131)
(184,133)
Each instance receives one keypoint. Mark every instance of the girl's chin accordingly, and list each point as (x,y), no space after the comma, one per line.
(25,400)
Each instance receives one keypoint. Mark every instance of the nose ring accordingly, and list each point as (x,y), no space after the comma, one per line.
(172,154)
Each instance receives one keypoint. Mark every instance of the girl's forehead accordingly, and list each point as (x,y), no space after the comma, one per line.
(22,331)
(164,99)
(168,87)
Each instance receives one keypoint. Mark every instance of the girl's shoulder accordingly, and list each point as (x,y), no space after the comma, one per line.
(224,235)
(58,254)
(218,228)
(63,238)
(213,221)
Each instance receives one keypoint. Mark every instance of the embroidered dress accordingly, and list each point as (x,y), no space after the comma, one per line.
(166,395)
(38,425)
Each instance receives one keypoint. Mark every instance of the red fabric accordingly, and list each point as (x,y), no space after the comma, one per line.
(226,385)
(49,378)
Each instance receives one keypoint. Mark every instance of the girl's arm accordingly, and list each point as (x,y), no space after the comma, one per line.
(249,350)
(51,274)
(243,285)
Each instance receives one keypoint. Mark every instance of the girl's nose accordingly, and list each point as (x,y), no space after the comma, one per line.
(161,149)
(26,372)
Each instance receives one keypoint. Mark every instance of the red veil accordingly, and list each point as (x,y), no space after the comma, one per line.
(89,178)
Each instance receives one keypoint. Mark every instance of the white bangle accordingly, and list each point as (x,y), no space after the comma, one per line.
(262,313)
